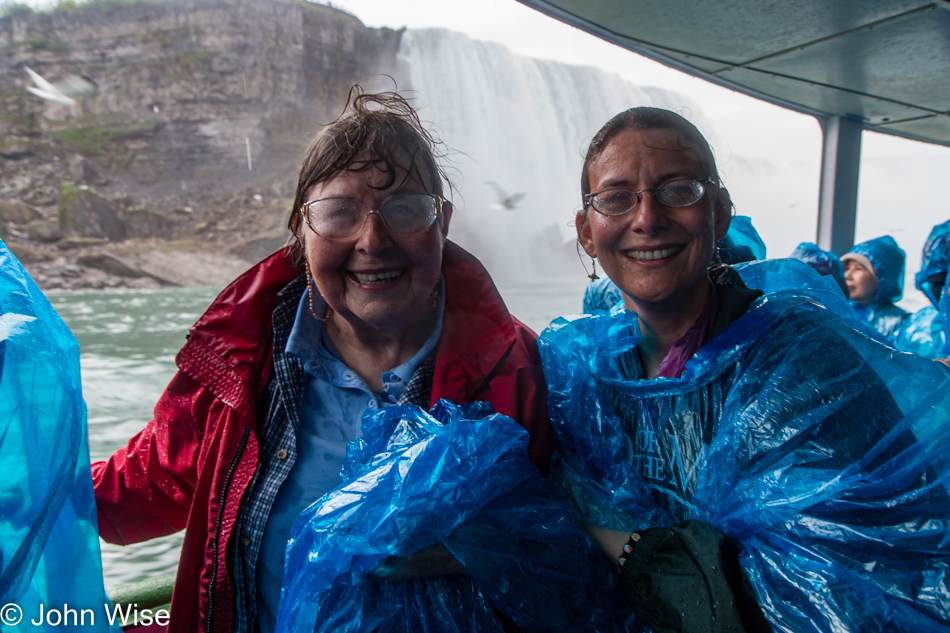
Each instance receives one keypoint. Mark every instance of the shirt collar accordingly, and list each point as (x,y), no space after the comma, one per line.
(308,341)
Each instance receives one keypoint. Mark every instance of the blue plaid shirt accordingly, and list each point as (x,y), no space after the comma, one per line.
(278,416)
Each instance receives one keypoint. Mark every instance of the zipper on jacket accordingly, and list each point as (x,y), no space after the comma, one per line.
(217,525)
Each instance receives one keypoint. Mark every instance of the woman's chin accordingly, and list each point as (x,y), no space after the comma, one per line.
(394,316)
(648,292)
(643,301)
(660,297)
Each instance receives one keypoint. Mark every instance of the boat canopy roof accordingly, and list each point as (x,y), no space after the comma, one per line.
(885,64)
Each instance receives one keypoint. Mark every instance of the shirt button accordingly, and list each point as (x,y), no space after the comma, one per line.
(282,454)
(371,404)
(246,540)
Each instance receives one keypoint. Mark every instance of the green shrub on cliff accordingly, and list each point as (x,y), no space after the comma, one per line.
(66,210)
(92,139)
(78,5)
(15,10)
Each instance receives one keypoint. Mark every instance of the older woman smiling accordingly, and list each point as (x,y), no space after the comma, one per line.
(370,306)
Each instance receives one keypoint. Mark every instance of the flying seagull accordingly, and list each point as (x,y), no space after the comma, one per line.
(62,92)
(505,201)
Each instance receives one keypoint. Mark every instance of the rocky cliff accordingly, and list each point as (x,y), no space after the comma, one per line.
(177,163)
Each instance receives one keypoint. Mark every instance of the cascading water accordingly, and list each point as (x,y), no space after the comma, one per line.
(515,125)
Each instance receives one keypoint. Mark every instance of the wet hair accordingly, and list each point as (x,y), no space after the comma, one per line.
(648,118)
(382,126)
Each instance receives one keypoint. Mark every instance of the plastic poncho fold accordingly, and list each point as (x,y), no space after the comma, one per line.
(819,452)
(925,332)
(49,539)
(460,476)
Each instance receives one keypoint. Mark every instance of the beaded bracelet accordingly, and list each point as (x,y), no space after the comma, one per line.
(628,547)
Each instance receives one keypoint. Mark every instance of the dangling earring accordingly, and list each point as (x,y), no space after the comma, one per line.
(717,256)
(593,275)
(326,313)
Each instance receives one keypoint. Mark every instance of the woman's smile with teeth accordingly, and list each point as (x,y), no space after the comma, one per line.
(661,253)
(368,278)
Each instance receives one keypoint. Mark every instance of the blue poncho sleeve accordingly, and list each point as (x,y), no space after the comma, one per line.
(460,476)
(49,540)
(819,452)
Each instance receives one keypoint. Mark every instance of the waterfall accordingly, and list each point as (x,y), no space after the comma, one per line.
(522,124)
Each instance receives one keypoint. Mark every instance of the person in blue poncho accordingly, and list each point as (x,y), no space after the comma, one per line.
(747,460)
(874,272)
(741,244)
(50,566)
(925,331)
(824,262)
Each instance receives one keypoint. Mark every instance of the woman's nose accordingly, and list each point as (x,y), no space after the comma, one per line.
(374,235)
(649,215)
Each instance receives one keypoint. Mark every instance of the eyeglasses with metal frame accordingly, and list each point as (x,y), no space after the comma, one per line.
(340,218)
(675,194)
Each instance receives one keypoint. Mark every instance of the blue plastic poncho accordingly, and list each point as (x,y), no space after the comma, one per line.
(824,262)
(935,261)
(601,294)
(926,331)
(822,454)
(924,334)
(886,318)
(460,476)
(49,539)
(797,278)
(741,244)
(887,260)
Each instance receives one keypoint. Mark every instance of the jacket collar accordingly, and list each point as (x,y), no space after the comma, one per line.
(230,347)
(477,333)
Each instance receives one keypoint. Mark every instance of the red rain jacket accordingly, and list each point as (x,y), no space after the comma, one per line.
(191,466)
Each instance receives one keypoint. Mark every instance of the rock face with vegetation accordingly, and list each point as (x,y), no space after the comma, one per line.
(177,164)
